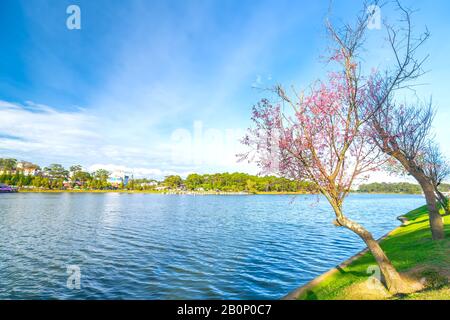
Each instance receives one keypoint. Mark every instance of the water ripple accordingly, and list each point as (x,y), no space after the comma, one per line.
(177,247)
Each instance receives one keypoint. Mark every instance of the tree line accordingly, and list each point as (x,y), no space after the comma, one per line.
(396,187)
(235,182)
(56,176)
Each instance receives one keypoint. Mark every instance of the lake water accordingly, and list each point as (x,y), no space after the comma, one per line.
(147,246)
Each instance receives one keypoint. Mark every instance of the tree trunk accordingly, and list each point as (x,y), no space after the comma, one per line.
(391,278)
(435,218)
(436,221)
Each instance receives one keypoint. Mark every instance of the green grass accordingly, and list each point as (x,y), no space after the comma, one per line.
(409,247)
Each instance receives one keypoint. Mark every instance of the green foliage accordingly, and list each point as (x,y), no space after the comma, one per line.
(173,182)
(8,164)
(81,176)
(17,179)
(141,184)
(55,176)
(101,175)
(75,168)
(401,187)
(236,182)
(99,180)
(56,172)
(250,186)
(194,181)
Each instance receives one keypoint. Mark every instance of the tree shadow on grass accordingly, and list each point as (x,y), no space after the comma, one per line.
(414,222)
(352,272)
(310,295)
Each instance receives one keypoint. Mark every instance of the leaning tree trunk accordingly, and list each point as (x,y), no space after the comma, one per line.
(435,218)
(391,278)
(436,221)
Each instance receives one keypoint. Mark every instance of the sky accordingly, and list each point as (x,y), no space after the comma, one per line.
(166,87)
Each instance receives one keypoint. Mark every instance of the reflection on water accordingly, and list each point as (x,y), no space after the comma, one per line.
(143,246)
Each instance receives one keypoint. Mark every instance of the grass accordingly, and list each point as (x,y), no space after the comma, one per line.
(412,252)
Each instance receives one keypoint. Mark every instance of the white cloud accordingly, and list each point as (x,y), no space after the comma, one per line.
(42,129)
(43,134)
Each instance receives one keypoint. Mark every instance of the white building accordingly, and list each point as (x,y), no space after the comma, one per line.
(27,168)
(117,178)
(149,184)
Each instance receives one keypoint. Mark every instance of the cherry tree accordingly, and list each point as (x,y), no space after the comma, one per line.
(321,136)
(403,133)
(437,168)
(326,134)
(400,132)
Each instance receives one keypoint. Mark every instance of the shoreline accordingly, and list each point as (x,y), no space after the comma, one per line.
(412,251)
(296,293)
(194,193)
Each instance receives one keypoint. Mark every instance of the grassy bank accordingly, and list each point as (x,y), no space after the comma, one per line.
(412,252)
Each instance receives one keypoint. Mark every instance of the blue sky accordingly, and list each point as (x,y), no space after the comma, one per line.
(160,87)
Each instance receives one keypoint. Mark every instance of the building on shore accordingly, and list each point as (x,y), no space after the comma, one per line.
(118,178)
(149,184)
(27,168)
(23,167)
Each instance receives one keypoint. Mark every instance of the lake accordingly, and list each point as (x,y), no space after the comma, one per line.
(150,246)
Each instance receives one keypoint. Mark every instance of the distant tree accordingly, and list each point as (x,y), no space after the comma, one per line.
(81,176)
(41,182)
(250,186)
(437,168)
(173,181)
(75,168)
(100,180)
(101,174)
(400,187)
(78,175)
(57,174)
(8,165)
(131,184)
(194,181)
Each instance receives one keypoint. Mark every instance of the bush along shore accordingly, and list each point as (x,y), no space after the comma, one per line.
(421,261)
